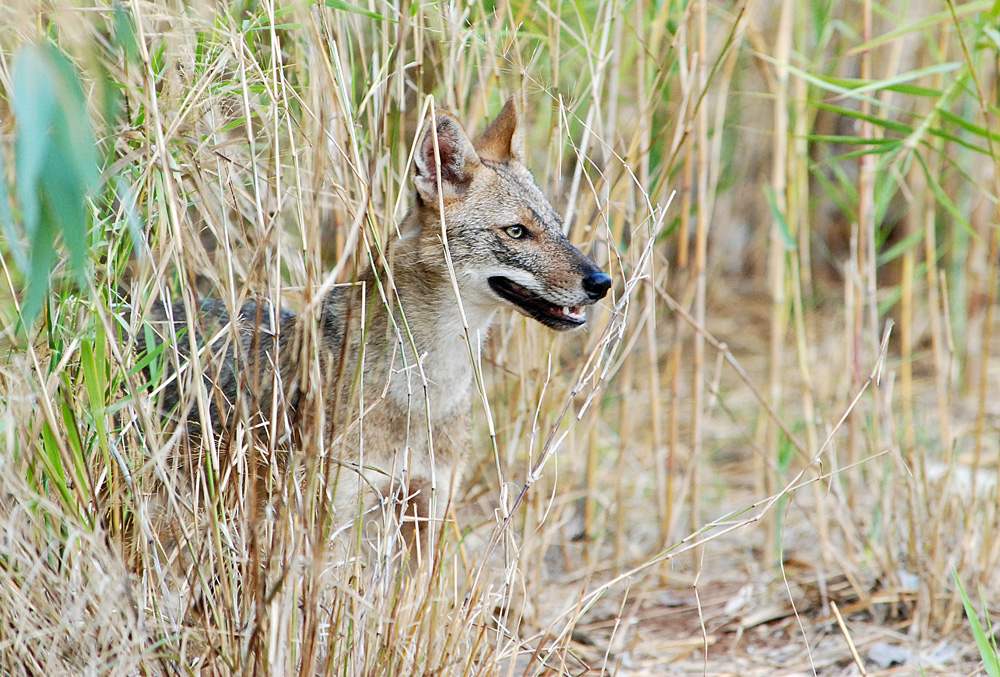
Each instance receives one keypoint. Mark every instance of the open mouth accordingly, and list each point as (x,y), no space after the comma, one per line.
(534,306)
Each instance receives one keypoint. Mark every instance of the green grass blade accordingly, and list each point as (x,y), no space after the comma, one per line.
(884,123)
(891,83)
(945,201)
(900,247)
(787,241)
(93,372)
(354,9)
(7,227)
(926,23)
(987,650)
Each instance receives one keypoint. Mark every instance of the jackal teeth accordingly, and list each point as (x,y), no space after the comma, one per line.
(534,305)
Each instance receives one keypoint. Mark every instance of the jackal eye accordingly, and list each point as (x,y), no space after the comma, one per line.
(517,231)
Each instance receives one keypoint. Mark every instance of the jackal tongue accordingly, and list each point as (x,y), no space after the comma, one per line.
(534,306)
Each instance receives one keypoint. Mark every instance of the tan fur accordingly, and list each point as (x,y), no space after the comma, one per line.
(414,436)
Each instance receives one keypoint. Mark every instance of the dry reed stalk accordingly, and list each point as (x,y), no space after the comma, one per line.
(700,275)
(622,502)
(909,441)
(663,477)
(797,218)
(990,293)
(863,265)
(941,373)
(777,262)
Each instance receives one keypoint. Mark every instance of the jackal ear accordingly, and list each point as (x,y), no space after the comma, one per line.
(501,141)
(459,160)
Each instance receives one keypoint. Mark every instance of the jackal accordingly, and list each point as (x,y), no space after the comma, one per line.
(384,368)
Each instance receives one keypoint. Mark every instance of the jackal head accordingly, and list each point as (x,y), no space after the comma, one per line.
(506,240)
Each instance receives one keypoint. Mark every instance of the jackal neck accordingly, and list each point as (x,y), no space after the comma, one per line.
(427,328)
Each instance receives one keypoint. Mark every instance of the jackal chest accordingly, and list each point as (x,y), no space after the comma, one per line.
(390,446)
(433,378)
(398,441)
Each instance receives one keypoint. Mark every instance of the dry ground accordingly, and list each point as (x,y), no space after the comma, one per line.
(719,609)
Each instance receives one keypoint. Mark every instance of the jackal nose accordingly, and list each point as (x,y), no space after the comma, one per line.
(596,285)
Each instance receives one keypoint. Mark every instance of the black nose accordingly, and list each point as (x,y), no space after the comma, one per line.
(596,285)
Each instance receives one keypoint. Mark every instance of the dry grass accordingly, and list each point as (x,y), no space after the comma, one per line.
(766,454)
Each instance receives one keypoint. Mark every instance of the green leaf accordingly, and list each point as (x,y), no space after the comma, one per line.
(991,662)
(75,128)
(63,193)
(125,34)
(968,126)
(856,140)
(993,34)
(959,141)
(898,249)
(34,109)
(931,21)
(41,260)
(886,303)
(127,199)
(354,9)
(945,201)
(890,125)
(876,150)
(857,89)
(56,165)
(75,444)
(92,361)
(786,234)
(843,194)
(277,27)
(914,90)
(855,86)
(54,475)
(7,228)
